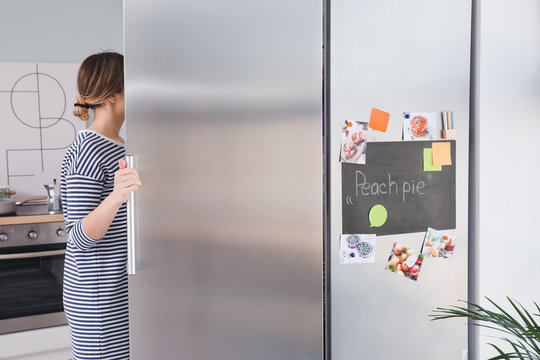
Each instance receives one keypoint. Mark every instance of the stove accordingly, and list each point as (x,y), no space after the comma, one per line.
(32,248)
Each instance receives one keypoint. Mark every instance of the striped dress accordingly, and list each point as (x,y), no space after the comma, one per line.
(95,278)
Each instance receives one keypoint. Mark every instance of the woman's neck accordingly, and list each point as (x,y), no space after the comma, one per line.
(106,124)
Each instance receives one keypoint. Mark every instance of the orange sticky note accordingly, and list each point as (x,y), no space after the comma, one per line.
(441,153)
(378,120)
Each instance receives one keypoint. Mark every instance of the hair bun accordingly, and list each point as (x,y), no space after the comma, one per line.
(81,111)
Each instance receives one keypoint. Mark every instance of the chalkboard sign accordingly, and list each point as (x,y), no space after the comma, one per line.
(394,177)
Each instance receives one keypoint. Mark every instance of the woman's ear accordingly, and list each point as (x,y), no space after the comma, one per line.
(115,98)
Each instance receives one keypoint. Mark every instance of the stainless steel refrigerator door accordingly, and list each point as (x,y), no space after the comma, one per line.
(398,56)
(223,111)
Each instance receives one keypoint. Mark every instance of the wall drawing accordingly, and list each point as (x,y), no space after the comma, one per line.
(36,123)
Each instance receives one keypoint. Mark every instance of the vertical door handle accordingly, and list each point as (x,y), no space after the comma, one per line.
(131,234)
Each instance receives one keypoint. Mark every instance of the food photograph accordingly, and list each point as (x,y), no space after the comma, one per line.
(404,261)
(357,248)
(354,142)
(439,245)
(419,126)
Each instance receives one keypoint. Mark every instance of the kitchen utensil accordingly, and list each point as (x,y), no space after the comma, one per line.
(53,197)
(5,192)
(8,206)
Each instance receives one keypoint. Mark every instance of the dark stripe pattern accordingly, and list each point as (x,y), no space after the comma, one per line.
(95,278)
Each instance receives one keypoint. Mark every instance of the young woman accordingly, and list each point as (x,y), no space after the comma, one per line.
(95,187)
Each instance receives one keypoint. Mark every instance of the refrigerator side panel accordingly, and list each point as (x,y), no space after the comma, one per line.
(223,111)
(397,56)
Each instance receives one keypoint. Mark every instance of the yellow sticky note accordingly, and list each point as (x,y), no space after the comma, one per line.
(441,153)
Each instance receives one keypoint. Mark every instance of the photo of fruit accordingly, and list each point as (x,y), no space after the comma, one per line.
(357,248)
(439,245)
(354,142)
(404,261)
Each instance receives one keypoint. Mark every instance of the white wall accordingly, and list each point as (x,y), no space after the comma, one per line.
(54,31)
(508,147)
(59,30)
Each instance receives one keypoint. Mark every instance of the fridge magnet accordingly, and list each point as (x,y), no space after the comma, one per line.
(353,142)
(357,248)
(377,215)
(419,126)
(378,120)
(404,261)
(439,245)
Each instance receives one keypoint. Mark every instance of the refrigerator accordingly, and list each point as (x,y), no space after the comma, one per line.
(397,56)
(236,137)
(224,120)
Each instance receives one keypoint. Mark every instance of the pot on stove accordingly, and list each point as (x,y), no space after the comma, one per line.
(8,206)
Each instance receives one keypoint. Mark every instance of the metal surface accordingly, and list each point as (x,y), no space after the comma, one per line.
(131,234)
(7,206)
(30,209)
(31,254)
(223,110)
(50,233)
(398,56)
(47,233)
(327,184)
(473,338)
(32,322)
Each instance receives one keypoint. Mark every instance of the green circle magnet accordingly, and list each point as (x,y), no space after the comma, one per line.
(377,215)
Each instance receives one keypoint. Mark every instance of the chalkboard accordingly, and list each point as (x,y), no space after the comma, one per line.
(394,177)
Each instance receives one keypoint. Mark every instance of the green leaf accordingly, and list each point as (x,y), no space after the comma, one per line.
(522,332)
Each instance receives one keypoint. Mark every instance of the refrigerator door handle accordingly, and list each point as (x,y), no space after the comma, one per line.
(131,235)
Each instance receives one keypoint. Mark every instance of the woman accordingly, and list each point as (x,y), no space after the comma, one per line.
(95,187)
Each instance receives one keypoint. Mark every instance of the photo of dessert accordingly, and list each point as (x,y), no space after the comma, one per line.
(439,245)
(404,261)
(419,126)
(353,142)
(357,248)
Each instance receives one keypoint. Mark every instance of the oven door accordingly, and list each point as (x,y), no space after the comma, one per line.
(31,287)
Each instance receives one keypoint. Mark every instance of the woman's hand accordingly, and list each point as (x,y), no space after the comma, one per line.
(126,180)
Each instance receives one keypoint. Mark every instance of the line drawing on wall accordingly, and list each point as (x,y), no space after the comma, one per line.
(36,122)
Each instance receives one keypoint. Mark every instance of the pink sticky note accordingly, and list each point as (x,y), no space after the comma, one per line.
(378,120)
(441,153)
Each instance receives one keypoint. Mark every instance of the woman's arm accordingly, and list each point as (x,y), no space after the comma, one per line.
(96,224)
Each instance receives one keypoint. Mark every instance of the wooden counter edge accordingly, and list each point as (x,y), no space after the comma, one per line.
(31,219)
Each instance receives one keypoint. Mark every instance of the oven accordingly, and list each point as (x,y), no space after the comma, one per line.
(32,252)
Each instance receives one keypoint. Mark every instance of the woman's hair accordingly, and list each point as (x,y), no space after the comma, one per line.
(100,77)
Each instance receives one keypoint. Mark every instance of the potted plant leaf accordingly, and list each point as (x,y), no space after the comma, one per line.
(521,331)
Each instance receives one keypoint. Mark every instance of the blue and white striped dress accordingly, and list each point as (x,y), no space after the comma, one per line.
(95,278)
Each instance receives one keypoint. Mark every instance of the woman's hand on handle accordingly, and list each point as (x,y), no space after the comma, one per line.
(97,223)
(126,180)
